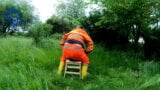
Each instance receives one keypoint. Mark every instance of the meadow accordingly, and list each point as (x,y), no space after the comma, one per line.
(24,66)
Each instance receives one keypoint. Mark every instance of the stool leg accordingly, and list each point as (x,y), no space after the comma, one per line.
(80,71)
(65,69)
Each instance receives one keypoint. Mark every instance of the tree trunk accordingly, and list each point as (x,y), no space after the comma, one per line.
(4,28)
(136,38)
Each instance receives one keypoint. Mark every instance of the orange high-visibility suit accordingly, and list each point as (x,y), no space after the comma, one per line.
(75,45)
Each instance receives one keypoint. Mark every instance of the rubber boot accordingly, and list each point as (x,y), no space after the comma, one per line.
(60,68)
(84,71)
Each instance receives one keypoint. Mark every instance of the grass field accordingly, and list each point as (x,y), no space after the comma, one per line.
(23,66)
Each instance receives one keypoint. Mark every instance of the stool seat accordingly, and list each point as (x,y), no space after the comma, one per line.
(72,67)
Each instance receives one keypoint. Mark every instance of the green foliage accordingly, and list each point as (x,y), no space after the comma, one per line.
(150,69)
(71,9)
(26,13)
(58,25)
(57,36)
(2,9)
(103,33)
(119,21)
(71,12)
(89,23)
(24,66)
(39,31)
(152,44)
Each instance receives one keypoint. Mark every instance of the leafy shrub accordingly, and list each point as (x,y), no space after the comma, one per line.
(58,25)
(57,36)
(39,31)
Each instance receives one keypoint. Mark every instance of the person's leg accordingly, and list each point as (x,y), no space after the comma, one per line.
(61,65)
(85,62)
(64,56)
(84,70)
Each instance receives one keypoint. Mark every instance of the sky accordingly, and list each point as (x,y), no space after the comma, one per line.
(44,8)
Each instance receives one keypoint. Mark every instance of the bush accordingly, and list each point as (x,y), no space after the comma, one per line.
(152,45)
(57,36)
(58,25)
(39,31)
(99,32)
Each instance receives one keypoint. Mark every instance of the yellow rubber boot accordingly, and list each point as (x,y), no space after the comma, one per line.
(84,71)
(60,68)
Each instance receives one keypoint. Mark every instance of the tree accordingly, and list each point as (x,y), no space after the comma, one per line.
(39,31)
(14,13)
(59,25)
(130,18)
(71,8)
(2,15)
(71,11)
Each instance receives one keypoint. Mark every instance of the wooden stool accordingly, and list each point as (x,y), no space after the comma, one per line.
(72,67)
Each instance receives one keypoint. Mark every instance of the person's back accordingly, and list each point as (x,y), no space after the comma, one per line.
(75,45)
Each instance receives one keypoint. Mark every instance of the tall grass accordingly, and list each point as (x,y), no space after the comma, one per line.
(24,66)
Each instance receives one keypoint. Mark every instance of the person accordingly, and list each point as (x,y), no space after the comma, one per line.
(76,44)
